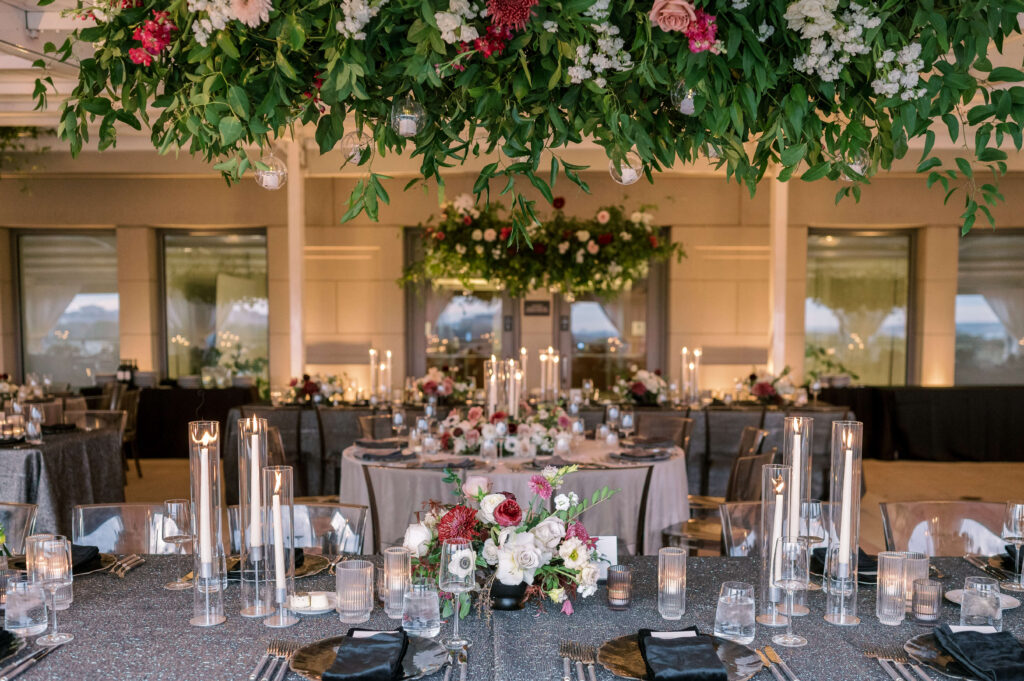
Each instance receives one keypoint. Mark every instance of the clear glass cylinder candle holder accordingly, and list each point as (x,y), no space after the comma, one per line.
(796,453)
(494,385)
(354,585)
(672,583)
(890,603)
(255,560)
(65,595)
(775,491)
(927,601)
(844,524)
(207,564)
(620,587)
(279,542)
(513,386)
(915,567)
(397,576)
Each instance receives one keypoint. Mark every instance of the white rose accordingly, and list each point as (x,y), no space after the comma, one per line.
(417,539)
(490,235)
(477,234)
(549,532)
(573,553)
(490,552)
(488,431)
(527,555)
(625,236)
(588,575)
(583,236)
(587,590)
(637,218)
(509,572)
(561,503)
(488,504)
(563,247)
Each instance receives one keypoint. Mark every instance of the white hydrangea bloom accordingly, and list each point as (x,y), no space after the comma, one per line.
(218,14)
(357,14)
(550,26)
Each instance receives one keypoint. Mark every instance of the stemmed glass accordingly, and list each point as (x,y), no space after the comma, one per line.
(812,530)
(791,574)
(458,570)
(398,420)
(628,422)
(588,390)
(52,569)
(176,528)
(1013,532)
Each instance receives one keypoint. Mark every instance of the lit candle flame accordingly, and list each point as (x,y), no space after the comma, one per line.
(206,439)
(848,439)
(277,483)
(779,484)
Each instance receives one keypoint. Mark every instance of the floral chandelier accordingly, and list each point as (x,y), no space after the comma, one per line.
(815,89)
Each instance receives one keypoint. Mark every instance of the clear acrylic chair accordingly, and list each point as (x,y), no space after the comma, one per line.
(741,527)
(97,419)
(19,520)
(943,528)
(330,530)
(121,528)
(663,427)
(375,427)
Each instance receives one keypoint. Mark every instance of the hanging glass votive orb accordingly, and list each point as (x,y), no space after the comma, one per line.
(683,98)
(407,117)
(858,162)
(628,170)
(275,175)
(356,147)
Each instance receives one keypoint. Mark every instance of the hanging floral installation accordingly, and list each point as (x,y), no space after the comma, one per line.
(814,89)
(602,255)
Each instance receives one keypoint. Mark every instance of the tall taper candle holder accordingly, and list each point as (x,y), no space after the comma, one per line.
(796,453)
(278,540)
(255,562)
(207,566)
(844,523)
(775,491)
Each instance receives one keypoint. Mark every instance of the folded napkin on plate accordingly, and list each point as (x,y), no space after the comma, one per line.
(553,460)
(866,564)
(997,656)
(680,656)
(390,455)
(83,559)
(460,463)
(386,443)
(369,656)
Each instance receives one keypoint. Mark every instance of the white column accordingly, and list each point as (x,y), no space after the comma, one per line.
(778,222)
(296,189)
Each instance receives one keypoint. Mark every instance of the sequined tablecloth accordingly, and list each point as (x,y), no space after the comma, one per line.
(133,629)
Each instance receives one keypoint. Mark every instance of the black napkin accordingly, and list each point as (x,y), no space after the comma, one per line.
(386,443)
(643,454)
(375,658)
(57,428)
(83,559)
(463,463)
(8,644)
(866,563)
(690,658)
(991,657)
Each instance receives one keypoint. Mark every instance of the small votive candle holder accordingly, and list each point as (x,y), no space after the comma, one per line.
(890,602)
(354,587)
(915,567)
(397,576)
(927,601)
(672,583)
(620,587)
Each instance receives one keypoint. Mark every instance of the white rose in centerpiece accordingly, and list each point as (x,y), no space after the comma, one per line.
(488,504)
(417,539)
(549,532)
(583,236)
(527,555)
(563,247)
(488,431)
(462,563)
(490,552)
(574,553)
(588,580)
(509,572)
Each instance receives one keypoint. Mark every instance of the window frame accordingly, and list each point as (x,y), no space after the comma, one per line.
(161,274)
(912,370)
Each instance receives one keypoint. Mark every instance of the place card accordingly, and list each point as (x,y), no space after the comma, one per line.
(608,550)
(673,634)
(956,629)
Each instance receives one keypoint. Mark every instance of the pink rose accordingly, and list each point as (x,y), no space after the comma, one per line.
(474,414)
(472,437)
(673,15)
(476,486)
(603,217)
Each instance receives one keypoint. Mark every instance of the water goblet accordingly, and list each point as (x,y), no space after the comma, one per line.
(611,415)
(52,570)
(398,424)
(456,576)
(791,574)
(176,528)
(588,390)
(25,607)
(1013,533)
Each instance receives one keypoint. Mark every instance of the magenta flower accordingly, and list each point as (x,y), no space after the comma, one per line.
(540,486)
(578,531)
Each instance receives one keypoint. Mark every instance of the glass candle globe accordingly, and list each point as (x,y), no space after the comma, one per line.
(356,147)
(407,117)
(628,170)
(275,175)
(682,98)
(859,163)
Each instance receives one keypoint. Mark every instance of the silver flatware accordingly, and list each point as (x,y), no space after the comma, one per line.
(901,659)
(895,673)
(772,668)
(774,657)
(980,563)
(28,662)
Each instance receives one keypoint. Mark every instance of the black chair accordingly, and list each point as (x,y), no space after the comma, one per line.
(722,429)
(288,421)
(129,404)
(375,426)
(657,426)
(339,429)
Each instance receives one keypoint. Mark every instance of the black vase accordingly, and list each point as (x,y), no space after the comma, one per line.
(504,597)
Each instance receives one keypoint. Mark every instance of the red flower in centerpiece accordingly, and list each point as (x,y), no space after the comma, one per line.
(430,388)
(763,389)
(505,233)
(457,523)
(467,220)
(498,416)
(604,239)
(558,203)
(446,440)
(638,389)
(508,513)
(510,13)
(440,236)
(539,248)
(654,241)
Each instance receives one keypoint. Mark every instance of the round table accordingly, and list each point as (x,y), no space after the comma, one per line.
(666,499)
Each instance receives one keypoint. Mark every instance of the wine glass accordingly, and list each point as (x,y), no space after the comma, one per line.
(611,415)
(398,420)
(52,569)
(588,390)
(1013,532)
(790,572)
(812,530)
(176,528)
(628,421)
(458,570)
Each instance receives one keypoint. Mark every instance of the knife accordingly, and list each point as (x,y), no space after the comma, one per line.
(977,562)
(28,662)
(774,657)
(775,672)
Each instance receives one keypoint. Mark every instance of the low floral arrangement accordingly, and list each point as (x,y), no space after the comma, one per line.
(645,388)
(550,552)
(767,388)
(533,434)
(602,255)
(7,386)
(317,389)
(443,384)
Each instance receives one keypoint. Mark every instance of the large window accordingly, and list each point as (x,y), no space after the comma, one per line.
(462,329)
(990,309)
(216,302)
(857,302)
(69,305)
(608,336)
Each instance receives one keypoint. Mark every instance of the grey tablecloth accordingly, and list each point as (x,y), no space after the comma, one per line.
(133,629)
(67,469)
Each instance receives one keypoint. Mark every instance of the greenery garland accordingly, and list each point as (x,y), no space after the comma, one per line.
(602,255)
(815,88)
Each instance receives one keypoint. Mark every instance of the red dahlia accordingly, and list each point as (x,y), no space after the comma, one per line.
(510,13)
(458,523)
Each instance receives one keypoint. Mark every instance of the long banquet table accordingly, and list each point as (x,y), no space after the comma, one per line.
(81,467)
(133,629)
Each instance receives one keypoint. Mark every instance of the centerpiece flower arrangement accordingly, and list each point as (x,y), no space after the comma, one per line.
(767,388)
(536,432)
(317,389)
(645,388)
(443,385)
(548,553)
(602,255)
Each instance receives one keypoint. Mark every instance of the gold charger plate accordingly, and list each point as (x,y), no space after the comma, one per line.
(621,656)
(423,657)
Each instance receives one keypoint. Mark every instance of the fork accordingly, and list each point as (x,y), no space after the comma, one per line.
(128,564)
(879,656)
(900,657)
(280,653)
(574,655)
(271,650)
(563,652)
(589,655)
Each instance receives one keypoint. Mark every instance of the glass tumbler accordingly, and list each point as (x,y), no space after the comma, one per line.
(25,609)
(620,587)
(981,604)
(927,601)
(890,603)
(672,583)
(397,573)
(421,609)
(734,618)
(354,586)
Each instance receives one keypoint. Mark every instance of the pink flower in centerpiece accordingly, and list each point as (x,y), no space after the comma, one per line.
(563,421)
(476,485)
(472,437)
(763,389)
(592,248)
(474,414)
(603,217)
(540,486)
(508,513)
(448,385)
(510,13)
(578,531)
(567,607)
(673,15)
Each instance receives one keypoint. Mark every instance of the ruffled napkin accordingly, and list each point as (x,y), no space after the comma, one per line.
(83,559)
(866,563)
(366,655)
(998,656)
(680,656)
